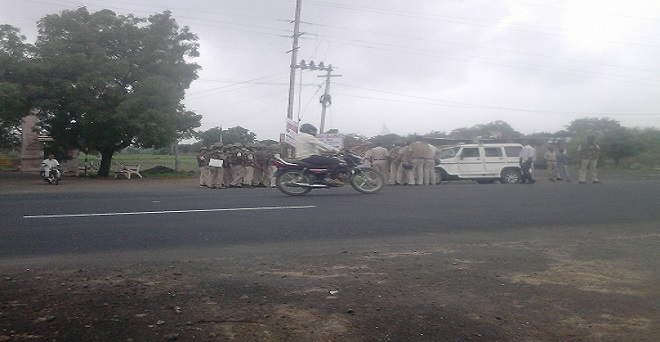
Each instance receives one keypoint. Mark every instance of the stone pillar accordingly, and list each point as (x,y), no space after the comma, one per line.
(32,151)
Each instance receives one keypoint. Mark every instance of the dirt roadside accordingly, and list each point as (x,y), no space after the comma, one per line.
(522,285)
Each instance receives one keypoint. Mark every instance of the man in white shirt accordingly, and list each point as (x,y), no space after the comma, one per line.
(309,148)
(527,156)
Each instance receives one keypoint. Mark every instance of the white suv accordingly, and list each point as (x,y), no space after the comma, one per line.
(484,163)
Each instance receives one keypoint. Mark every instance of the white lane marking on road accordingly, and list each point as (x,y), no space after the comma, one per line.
(166,212)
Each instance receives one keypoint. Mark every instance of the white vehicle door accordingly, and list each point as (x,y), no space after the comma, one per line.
(494,157)
(470,161)
(512,153)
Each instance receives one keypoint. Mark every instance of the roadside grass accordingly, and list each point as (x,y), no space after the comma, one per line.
(150,164)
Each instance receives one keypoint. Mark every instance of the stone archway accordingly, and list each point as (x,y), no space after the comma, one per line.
(34,146)
(32,150)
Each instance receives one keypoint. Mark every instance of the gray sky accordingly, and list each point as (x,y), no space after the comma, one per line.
(411,66)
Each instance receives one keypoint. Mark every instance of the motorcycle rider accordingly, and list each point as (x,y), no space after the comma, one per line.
(309,148)
(48,164)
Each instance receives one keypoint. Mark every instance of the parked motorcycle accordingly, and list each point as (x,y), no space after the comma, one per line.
(297,178)
(52,175)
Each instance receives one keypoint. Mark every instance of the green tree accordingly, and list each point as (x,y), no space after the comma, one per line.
(238,134)
(597,127)
(648,139)
(495,129)
(210,136)
(269,142)
(619,144)
(232,135)
(16,89)
(115,81)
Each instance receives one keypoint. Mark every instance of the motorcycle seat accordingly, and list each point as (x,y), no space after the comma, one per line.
(305,164)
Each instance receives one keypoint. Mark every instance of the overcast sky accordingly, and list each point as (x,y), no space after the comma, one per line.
(411,66)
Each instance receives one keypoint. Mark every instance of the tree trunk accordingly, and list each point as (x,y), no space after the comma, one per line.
(106,159)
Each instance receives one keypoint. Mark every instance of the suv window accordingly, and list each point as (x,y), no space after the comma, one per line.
(512,151)
(470,152)
(493,152)
(447,153)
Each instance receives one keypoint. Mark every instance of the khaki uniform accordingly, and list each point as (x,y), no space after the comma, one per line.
(395,161)
(378,158)
(403,175)
(429,166)
(261,170)
(550,158)
(250,167)
(203,164)
(418,150)
(589,154)
(238,162)
(217,174)
(273,152)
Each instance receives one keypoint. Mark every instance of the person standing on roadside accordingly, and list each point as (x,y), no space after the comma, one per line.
(429,165)
(527,156)
(377,157)
(419,150)
(262,163)
(550,159)
(562,166)
(404,172)
(238,162)
(589,153)
(394,157)
(217,172)
(203,164)
(250,165)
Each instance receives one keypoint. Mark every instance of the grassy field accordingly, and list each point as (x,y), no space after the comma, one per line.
(146,161)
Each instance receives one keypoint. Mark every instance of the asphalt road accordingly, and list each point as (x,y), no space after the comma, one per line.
(114,220)
(454,262)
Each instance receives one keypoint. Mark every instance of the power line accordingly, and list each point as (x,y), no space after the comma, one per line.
(425,40)
(499,62)
(473,105)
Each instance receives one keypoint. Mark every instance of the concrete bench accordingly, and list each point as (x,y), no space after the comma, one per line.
(128,170)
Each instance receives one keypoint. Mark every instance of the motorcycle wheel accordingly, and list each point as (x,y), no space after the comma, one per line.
(285,180)
(367,181)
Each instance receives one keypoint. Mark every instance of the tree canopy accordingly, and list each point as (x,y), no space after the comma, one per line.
(15,83)
(597,127)
(115,81)
(231,135)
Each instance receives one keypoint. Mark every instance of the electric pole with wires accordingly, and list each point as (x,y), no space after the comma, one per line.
(294,59)
(326,98)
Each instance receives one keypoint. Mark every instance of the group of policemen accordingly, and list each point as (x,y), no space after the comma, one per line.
(250,165)
(405,163)
(236,165)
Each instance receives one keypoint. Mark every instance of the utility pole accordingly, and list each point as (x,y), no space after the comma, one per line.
(326,98)
(294,59)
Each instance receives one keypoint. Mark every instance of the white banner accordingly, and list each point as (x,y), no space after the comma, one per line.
(335,140)
(291,132)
